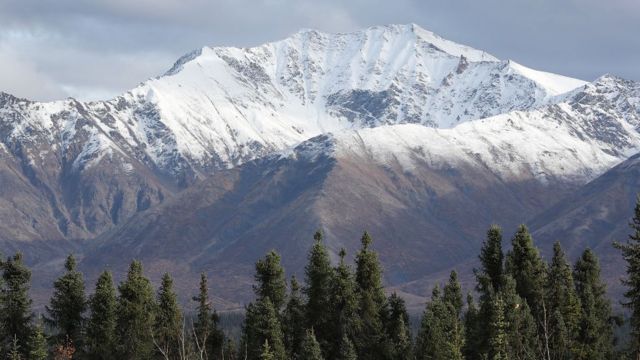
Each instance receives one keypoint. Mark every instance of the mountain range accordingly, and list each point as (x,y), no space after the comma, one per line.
(234,151)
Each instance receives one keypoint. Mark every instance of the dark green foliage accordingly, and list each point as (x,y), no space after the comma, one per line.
(497,330)
(266,353)
(520,326)
(15,305)
(562,305)
(371,342)
(310,347)
(491,258)
(208,338)
(168,326)
(631,254)
(346,350)
(294,320)
(101,326)
(261,327)
(343,312)
(318,277)
(595,339)
(229,350)
(526,267)
(38,349)
(441,334)
(397,328)
(68,304)
(270,280)
(473,332)
(15,351)
(135,315)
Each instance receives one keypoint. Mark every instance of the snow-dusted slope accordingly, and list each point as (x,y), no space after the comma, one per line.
(218,107)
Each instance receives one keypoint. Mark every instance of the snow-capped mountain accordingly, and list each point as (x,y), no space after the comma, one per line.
(447,119)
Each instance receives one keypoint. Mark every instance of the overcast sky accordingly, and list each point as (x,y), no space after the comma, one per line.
(93,49)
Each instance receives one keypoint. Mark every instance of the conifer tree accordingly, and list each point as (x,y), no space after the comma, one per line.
(526,267)
(266,353)
(310,347)
(15,304)
(208,338)
(262,326)
(135,315)
(563,306)
(397,328)
(497,331)
(473,332)
(631,254)
(318,279)
(371,342)
(343,312)
(520,326)
(68,304)
(452,298)
(38,344)
(595,338)
(168,326)
(14,352)
(101,325)
(294,321)
(270,280)
(440,336)
(346,350)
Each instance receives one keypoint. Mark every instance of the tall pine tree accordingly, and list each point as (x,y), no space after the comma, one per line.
(318,279)
(261,326)
(343,312)
(397,328)
(208,338)
(68,304)
(38,349)
(15,304)
(271,281)
(371,343)
(310,347)
(294,320)
(168,328)
(631,254)
(101,325)
(595,338)
(136,311)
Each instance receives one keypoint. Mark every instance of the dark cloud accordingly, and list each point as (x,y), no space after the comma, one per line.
(51,49)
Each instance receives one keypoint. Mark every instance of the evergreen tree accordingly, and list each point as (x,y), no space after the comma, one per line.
(440,336)
(208,338)
(14,352)
(472,345)
(262,326)
(526,267)
(371,342)
(293,321)
(318,279)
(310,347)
(38,344)
(266,353)
(135,315)
(101,325)
(497,331)
(270,280)
(452,298)
(68,304)
(595,339)
(168,327)
(397,328)
(631,254)
(563,305)
(346,350)
(15,304)
(343,312)
(229,350)
(520,326)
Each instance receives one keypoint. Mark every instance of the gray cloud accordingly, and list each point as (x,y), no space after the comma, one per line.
(91,49)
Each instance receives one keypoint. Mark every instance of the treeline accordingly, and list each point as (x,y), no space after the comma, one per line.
(524,308)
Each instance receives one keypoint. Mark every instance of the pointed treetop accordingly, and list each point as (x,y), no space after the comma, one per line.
(70,263)
(366,240)
(342,254)
(317,236)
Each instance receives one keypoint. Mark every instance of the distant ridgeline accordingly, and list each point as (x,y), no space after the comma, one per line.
(523,308)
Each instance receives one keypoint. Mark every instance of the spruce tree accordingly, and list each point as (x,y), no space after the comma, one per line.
(38,349)
(294,321)
(452,298)
(168,326)
(318,279)
(497,349)
(441,335)
(135,315)
(101,325)
(15,304)
(262,326)
(595,338)
(473,332)
(563,305)
(208,338)
(343,312)
(346,350)
(371,342)
(14,350)
(68,304)
(310,347)
(265,352)
(397,328)
(270,281)
(520,326)
(631,254)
